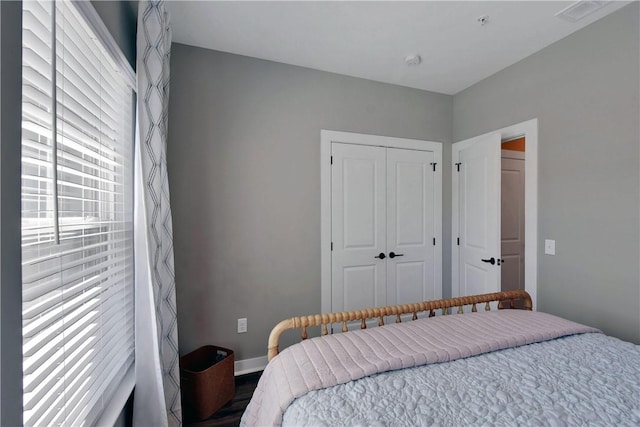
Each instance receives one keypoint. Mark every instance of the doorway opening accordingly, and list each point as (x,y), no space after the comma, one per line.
(476,211)
(512,214)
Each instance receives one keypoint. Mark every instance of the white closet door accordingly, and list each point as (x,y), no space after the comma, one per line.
(358,205)
(410,226)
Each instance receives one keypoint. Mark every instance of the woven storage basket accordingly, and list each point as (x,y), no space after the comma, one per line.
(207,380)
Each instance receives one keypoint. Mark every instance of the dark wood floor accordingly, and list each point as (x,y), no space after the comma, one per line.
(230,414)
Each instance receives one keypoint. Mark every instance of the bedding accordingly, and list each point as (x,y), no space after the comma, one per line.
(566,381)
(328,361)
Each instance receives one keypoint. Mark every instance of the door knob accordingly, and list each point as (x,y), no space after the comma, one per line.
(491,261)
(393,255)
(381,255)
(500,261)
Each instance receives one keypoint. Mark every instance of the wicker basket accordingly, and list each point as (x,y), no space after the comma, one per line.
(207,380)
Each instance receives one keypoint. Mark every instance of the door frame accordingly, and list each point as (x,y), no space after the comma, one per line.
(528,129)
(329,136)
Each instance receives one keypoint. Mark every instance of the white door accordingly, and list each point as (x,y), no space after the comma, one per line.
(410,225)
(384,218)
(512,214)
(358,223)
(477,184)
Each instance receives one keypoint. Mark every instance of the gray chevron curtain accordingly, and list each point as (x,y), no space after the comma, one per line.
(157,394)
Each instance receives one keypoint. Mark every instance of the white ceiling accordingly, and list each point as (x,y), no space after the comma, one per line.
(371,39)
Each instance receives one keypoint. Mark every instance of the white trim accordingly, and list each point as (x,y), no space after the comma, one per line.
(529,130)
(248,366)
(114,407)
(329,136)
(92,17)
(437,182)
(325,220)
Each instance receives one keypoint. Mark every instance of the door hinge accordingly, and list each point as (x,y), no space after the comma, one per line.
(434,241)
(331,245)
(458,166)
(331,159)
(458,241)
(434,166)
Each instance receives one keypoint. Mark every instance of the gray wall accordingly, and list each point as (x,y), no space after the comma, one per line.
(10,253)
(584,91)
(244,173)
(243,157)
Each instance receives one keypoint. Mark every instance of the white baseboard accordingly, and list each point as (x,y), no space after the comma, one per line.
(248,366)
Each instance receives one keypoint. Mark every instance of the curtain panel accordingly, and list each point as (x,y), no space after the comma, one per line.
(157,396)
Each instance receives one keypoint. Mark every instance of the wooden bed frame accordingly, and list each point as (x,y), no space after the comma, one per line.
(324,320)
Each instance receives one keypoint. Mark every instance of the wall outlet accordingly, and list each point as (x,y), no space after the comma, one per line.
(242,325)
(550,247)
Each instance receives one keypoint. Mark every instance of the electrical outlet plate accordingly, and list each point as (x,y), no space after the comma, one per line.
(550,247)
(242,325)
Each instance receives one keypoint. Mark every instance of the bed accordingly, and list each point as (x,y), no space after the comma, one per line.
(478,360)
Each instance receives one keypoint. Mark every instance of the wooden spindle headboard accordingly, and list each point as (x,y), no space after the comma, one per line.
(380,313)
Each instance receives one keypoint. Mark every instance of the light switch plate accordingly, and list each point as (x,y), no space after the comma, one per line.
(550,247)
(242,325)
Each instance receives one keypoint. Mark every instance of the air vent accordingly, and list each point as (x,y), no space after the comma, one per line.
(580,10)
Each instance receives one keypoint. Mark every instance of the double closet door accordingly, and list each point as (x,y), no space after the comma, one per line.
(385,226)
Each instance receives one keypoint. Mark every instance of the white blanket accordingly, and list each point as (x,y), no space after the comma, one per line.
(337,359)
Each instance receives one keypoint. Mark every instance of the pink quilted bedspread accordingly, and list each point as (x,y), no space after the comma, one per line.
(336,359)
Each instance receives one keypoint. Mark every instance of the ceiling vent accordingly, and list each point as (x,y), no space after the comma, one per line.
(581,9)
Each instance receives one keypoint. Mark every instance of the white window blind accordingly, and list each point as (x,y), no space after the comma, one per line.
(77,216)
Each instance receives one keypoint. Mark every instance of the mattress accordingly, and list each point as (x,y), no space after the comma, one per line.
(585,379)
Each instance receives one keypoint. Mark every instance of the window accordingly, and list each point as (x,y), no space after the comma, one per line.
(77,218)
